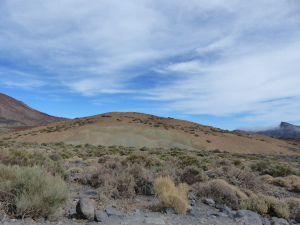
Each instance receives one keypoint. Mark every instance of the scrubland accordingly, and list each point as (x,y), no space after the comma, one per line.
(37,179)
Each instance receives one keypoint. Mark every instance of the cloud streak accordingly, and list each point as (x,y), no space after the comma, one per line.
(234,59)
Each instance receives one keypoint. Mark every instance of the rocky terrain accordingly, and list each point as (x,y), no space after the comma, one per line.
(104,169)
(101,189)
(284,130)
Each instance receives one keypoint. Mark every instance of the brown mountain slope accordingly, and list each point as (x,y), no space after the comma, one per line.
(16,113)
(138,130)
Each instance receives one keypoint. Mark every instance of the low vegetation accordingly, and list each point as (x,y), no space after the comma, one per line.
(31,191)
(171,196)
(117,172)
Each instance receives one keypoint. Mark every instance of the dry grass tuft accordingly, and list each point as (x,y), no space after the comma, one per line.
(296,187)
(280,181)
(171,196)
(294,207)
(266,178)
(76,170)
(266,204)
(241,178)
(221,192)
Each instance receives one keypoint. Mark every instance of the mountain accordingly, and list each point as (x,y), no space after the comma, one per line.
(16,113)
(141,130)
(285,130)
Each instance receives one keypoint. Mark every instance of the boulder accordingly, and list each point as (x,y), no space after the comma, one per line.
(279,221)
(85,209)
(248,217)
(225,210)
(100,216)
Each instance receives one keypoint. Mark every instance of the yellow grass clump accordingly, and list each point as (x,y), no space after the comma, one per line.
(266,178)
(280,181)
(234,189)
(266,204)
(171,196)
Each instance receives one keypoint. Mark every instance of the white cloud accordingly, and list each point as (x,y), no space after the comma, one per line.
(260,128)
(210,57)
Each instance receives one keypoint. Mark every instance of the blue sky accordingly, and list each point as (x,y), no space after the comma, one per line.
(225,64)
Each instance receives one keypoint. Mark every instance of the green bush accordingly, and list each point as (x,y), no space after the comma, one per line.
(192,174)
(22,157)
(266,204)
(31,191)
(275,169)
(221,192)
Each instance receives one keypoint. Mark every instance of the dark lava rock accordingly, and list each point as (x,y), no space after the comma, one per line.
(149,189)
(226,210)
(208,201)
(249,217)
(191,196)
(169,211)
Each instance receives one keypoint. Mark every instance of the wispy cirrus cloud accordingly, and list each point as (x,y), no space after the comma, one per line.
(235,59)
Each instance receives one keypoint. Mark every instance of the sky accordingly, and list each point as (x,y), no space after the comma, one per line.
(225,64)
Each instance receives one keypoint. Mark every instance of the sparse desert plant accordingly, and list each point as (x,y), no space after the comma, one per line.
(266,178)
(76,170)
(292,179)
(266,205)
(31,191)
(280,181)
(221,192)
(171,196)
(294,207)
(296,187)
(193,174)
(113,179)
(241,178)
(189,161)
(275,169)
(256,203)
(22,157)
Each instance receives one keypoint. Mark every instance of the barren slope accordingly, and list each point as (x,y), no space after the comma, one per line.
(138,130)
(16,113)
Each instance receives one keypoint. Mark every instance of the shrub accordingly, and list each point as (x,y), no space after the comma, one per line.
(279,181)
(266,204)
(171,196)
(238,177)
(31,192)
(266,178)
(294,207)
(274,169)
(134,158)
(256,203)
(221,192)
(296,187)
(292,179)
(188,161)
(113,180)
(22,157)
(193,174)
